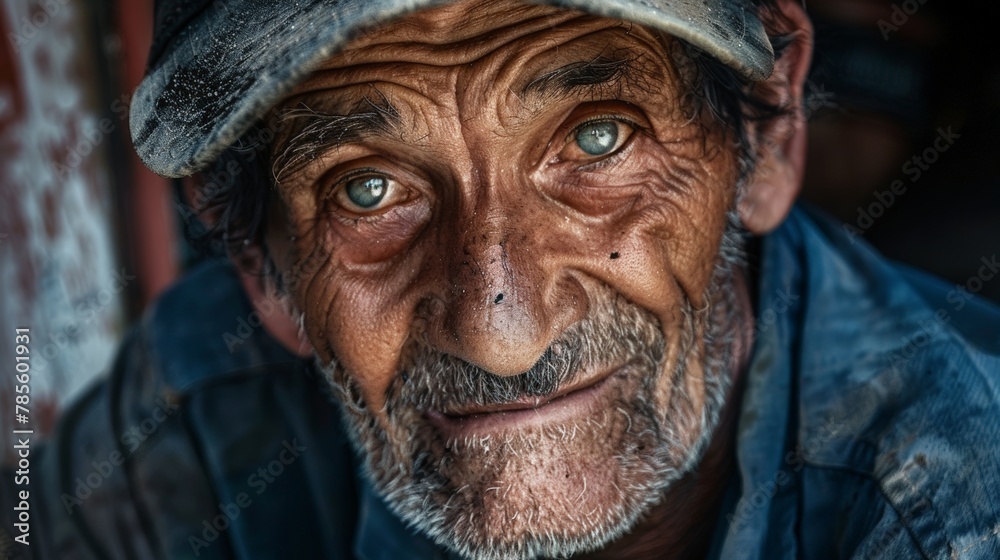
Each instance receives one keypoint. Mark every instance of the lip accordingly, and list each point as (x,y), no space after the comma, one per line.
(574,401)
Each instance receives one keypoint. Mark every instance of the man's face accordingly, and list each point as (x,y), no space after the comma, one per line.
(521,297)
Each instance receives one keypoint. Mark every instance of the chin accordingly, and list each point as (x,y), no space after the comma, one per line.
(562,459)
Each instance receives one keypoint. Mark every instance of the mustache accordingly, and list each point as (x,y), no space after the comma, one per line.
(613,333)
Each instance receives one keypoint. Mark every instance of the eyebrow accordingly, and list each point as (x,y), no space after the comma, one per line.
(311,131)
(590,76)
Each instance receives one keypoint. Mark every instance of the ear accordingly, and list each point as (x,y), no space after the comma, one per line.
(780,142)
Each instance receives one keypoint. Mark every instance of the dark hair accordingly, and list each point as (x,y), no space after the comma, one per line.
(232,195)
(224,212)
(730,99)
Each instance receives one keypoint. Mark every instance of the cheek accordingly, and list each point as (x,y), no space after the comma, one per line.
(378,241)
(665,246)
(360,314)
(353,298)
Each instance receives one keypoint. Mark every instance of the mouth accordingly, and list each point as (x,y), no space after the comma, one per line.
(572,402)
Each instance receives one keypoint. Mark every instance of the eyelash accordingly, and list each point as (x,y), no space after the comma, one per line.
(351,175)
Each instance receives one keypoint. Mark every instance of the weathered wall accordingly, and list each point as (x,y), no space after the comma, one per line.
(60,274)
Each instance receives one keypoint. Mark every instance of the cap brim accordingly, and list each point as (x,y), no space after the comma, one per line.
(239,58)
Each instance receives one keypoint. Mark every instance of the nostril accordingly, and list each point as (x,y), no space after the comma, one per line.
(498,299)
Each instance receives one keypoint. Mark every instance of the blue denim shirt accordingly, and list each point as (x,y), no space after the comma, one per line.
(869,428)
(870,425)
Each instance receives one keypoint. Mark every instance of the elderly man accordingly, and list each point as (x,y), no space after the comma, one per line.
(545,259)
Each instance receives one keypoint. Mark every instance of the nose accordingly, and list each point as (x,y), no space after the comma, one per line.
(507,301)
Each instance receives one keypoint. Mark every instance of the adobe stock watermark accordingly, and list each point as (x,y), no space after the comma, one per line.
(914,169)
(266,306)
(815,99)
(132,439)
(90,140)
(794,460)
(86,311)
(784,300)
(221,180)
(28,28)
(231,511)
(962,294)
(245,326)
(901,14)
(958,297)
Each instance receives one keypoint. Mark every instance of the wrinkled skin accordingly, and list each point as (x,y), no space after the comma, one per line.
(489,219)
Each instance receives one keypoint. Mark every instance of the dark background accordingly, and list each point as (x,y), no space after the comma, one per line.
(892,81)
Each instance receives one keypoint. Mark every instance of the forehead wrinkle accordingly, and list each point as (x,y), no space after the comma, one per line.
(403,81)
(330,93)
(407,46)
(421,39)
(625,66)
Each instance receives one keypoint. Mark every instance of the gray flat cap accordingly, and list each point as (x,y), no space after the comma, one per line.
(217,66)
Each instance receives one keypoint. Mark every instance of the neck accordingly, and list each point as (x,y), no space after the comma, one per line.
(681,525)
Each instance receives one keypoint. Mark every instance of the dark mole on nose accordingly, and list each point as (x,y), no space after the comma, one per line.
(614,255)
(498,299)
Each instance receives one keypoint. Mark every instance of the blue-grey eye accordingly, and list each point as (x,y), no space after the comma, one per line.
(367,192)
(597,138)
